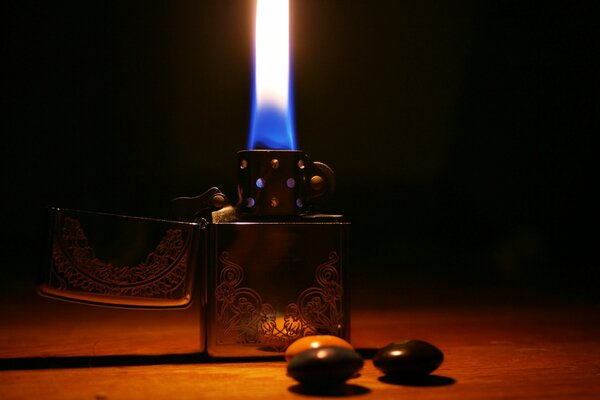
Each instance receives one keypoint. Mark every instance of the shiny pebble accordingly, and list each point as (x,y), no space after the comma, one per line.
(409,358)
(314,342)
(325,366)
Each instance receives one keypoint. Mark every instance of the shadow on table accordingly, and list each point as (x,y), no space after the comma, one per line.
(429,380)
(98,361)
(345,390)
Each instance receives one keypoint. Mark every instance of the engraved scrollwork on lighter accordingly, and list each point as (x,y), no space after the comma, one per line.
(321,306)
(77,268)
(243,318)
(238,308)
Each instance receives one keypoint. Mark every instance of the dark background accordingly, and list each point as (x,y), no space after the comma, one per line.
(460,132)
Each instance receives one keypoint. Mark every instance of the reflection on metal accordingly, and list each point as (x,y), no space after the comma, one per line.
(243,318)
(161,279)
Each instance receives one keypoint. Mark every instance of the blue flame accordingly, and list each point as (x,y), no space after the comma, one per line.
(272,123)
(272,127)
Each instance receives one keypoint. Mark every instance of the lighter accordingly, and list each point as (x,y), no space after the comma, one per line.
(250,278)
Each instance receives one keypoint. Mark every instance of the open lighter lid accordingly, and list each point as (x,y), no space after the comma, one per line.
(120,261)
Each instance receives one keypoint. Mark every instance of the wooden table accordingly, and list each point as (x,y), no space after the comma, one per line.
(492,352)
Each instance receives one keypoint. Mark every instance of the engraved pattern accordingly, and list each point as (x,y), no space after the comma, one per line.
(76,268)
(243,318)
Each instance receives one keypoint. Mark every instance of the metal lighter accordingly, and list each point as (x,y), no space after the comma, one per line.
(243,280)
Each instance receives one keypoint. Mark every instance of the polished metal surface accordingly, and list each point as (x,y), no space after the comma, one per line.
(119,260)
(271,283)
(120,285)
(231,287)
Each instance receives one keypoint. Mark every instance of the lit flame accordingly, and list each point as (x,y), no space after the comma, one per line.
(272,114)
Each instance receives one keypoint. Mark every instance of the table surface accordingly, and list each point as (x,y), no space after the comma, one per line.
(491,352)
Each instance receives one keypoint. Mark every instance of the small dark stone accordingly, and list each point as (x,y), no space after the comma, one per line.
(410,359)
(325,366)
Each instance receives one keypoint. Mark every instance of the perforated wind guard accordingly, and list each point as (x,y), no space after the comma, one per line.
(281,182)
